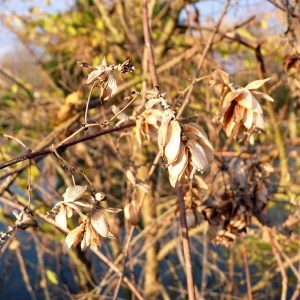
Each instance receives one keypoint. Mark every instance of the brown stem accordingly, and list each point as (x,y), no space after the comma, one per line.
(186,244)
(247,272)
(65,146)
(148,43)
(125,253)
(284,281)
(284,168)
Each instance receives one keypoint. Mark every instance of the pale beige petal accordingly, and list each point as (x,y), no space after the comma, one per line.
(229,127)
(154,118)
(74,192)
(197,130)
(248,119)
(130,177)
(61,217)
(262,96)
(219,76)
(259,121)
(95,240)
(239,113)
(163,130)
(209,151)
(151,103)
(247,100)
(254,85)
(74,236)
(176,170)
(100,224)
(93,76)
(109,87)
(172,148)
(198,156)
(228,99)
(69,211)
(103,62)
(138,131)
(86,239)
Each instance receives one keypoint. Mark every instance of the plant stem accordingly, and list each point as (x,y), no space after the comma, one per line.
(186,244)
(148,43)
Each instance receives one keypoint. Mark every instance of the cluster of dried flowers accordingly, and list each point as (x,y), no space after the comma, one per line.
(241,191)
(103,74)
(92,225)
(184,147)
(240,112)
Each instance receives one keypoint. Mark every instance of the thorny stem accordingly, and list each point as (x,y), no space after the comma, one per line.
(186,244)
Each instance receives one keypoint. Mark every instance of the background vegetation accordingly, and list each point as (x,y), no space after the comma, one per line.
(43,100)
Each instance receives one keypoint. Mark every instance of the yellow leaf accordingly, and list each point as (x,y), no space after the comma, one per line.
(51,276)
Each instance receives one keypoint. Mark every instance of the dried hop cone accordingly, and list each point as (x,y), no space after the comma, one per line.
(186,148)
(241,113)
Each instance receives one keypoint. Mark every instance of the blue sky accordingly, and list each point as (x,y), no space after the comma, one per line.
(7,38)
(210,10)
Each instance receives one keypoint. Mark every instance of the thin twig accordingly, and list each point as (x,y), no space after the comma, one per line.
(65,146)
(18,141)
(24,273)
(207,47)
(148,44)
(186,243)
(88,102)
(246,267)
(281,267)
(125,253)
